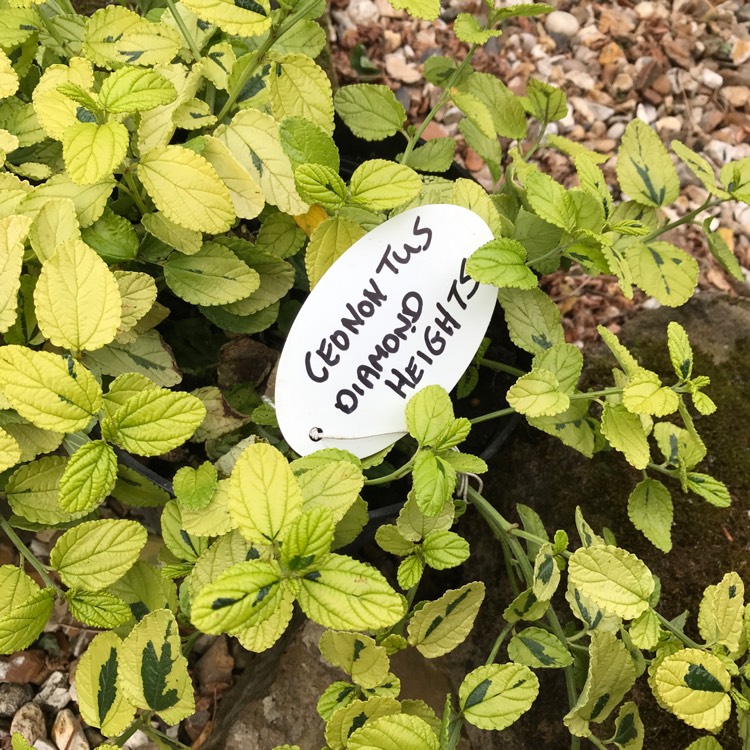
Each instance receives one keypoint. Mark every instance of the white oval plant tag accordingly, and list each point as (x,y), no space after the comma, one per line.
(395,313)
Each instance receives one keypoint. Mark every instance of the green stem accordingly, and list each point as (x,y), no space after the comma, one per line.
(521,534)
(493,415)
(441,102)
(161,738)
(662,470)
(667,625)
(501,367)
(133,190)
(401,472)
(502,526)
(27,554)
(595,394)
(596,742)
(686,219)
(537,142)
(143,719)
(455,734)
(498,642)
(191,43)
(512,573)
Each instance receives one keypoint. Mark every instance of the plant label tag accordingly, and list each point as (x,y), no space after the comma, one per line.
(395,313)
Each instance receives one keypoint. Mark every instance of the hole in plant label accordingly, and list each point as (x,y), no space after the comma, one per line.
(395,313)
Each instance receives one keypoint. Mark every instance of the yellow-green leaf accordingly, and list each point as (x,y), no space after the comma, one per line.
(247,196)
(644,167)
(396,732)
(97,609)
(212,276)
(130,90)
(663,271)
(370,111)
(13,231)
(645,394)
(77,299)
(94,554)
(253,138)
(494,696)
(10,450)
(616,580)
(694,685)
(650,510)
(22,623)
(301,88)
(358,655)
(55,223)
(92,152)
(187,189)
(610,675)
(380,185)
(328,242)
(345,594)
(154,421)
(154,671)
(88,477)
(721,613)
(625,433)
(264,495)
(100,697)
(52,392)
(335,485)
(537,394)
(241,596)
(441,625)
(539,649)
(246,19)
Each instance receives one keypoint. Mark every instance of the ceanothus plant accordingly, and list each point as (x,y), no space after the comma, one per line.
(176,165)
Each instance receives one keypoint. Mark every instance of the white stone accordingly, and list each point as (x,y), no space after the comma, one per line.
(363,11)
(54,693)
(44,745)
(710,78)
(616,130)
(582,80)
(562,23)
(591,111)
(646,112)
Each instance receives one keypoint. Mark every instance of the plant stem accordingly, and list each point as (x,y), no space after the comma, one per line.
(689,642)
(686,219)
(595,394)
(27,554)
(662,470)
(401,472)
(161,738)
(184,30)
(498,642)
(132,463)
(493,415)
(133,190)
(143,719)
(441,102)
(501,367)
(596,742)
(502,526)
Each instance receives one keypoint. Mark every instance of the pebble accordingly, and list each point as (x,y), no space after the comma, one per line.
(12,697)
(710,78)
(67,732)
(55,692)
(668,126)
(616,130)
(363,11)
(591,111)
(623,83)
(44,745)
(563,24)
(646,112)
(662,85)
(582,80)
(397,67)
(736,96)
(29,723)
(391,40)
(741,51)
